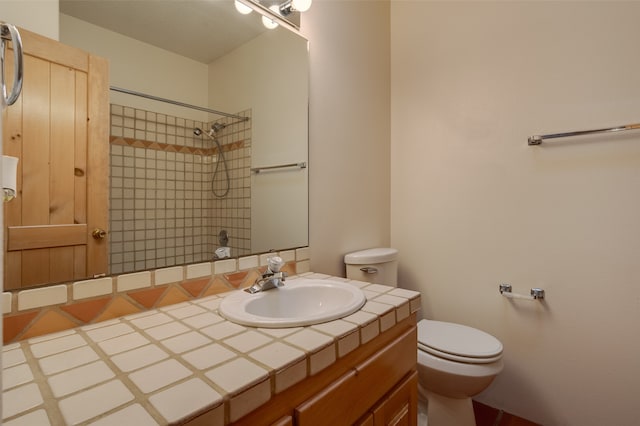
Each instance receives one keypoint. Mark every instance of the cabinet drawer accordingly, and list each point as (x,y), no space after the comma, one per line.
(351,396)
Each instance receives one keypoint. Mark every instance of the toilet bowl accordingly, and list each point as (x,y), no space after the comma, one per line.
(455,363)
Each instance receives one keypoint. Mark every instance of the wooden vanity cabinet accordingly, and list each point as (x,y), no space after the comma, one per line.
(374,385)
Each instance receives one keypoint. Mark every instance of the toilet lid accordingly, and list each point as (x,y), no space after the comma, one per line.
(458,342)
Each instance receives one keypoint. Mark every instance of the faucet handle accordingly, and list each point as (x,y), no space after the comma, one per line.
(275,263)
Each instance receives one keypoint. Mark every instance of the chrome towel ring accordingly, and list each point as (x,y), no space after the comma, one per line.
(10,33)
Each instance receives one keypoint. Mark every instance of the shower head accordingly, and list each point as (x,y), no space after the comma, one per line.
(216,127)
(197,131)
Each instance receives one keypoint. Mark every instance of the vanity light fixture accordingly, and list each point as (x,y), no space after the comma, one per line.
(269,23)
(242,8)
(294,6)
(284,9)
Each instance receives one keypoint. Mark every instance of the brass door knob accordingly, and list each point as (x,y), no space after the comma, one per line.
(99,234)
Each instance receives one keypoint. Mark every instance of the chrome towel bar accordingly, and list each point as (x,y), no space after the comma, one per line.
(537,140)
(507,291)
(302,165)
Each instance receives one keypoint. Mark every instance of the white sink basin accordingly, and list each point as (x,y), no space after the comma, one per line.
(299,302)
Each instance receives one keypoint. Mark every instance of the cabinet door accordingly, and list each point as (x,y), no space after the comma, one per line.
(400,408)
(284,421)
(366,421)
(353,395)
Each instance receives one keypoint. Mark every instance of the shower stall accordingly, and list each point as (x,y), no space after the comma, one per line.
(176,183)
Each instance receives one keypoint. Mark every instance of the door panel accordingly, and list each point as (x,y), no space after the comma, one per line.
(59,131)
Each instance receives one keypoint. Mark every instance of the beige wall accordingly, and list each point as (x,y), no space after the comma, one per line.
(38,16)
(473,206)
(138,66)
(349,129)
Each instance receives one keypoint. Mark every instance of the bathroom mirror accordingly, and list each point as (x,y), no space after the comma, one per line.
(166,207)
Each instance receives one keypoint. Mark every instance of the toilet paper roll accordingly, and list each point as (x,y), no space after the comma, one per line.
(9,177)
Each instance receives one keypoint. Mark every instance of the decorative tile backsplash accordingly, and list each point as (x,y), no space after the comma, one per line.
(38,311)
(163,209)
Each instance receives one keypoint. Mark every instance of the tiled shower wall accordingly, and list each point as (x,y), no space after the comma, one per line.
(162,208)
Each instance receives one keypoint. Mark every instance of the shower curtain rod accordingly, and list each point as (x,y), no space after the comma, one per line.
(537,140)
(172,102)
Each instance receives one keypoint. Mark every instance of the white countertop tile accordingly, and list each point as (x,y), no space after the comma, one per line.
(208,356)
(58,345)
(184,399)
(224,329)
(139,357)
(309,340)
(377,308)
(66,360)
(95,401)
(16,376)
(159,375)
(279,332)
(122,343)
(17,400)
(10,346)
(45,337)
(38,417)
(277,355)
(185,342)
(378,288)
(247,341)
(361,318)
(12,357)
(167,330)
(103,324)
(80,378)
(187,311)
(407,294)
(105,333)
(203,320)
(151,320)
(132,415)
(391,300)
(336,328)
(211,302)
(236,374)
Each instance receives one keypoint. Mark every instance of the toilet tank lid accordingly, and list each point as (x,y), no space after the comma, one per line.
(373,255)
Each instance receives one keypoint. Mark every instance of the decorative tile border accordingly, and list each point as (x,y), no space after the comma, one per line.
(137,143)
(34,312)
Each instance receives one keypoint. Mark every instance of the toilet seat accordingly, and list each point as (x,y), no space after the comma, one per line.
(457,342)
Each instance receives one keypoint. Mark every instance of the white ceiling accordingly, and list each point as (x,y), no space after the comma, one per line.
(202,30)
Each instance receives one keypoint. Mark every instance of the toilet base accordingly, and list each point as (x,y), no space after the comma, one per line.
(445,411)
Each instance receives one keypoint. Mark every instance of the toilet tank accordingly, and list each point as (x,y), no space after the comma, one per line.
(375,265)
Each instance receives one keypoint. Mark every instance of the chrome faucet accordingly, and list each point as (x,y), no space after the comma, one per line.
(272,277)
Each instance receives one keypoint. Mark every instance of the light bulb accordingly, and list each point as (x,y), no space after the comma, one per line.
(268,22)
(301,5)
(242,8)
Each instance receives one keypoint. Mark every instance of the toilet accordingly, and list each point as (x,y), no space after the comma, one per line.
(455,362)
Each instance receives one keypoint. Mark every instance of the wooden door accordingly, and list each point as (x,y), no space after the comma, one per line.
(59,131)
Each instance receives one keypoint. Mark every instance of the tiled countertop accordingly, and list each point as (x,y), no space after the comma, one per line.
(168,365)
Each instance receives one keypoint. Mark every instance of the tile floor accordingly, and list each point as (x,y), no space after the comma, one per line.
(488,416)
